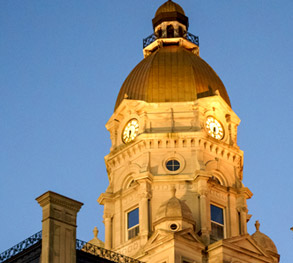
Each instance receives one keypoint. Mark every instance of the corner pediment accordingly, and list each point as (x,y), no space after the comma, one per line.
(248,244)
(163,236)
(188,235)
(244,244)
(159,238)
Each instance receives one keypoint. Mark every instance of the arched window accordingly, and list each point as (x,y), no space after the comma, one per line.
(170,31)
(214,179)
(180,31)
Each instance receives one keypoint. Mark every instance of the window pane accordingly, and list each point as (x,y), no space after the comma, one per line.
(217,214)
(173,165)
(132,218)
(217,231)
(133,232)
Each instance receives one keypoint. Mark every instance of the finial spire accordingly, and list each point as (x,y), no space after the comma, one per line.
(96,232)
(257,225)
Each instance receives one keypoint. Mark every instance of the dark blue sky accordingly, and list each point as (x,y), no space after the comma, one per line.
(62,64)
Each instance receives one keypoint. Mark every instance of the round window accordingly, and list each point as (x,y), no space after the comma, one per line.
(173,227)
(172,165)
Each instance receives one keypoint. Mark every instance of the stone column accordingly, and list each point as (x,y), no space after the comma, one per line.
(164,29)
(243,219)
(58,228)
(108,230)
(203,217)
(105,199)
(203,202)
(242,209)
(176,29)
(144,217)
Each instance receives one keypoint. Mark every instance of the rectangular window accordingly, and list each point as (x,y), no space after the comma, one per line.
(217,223)
(133,223)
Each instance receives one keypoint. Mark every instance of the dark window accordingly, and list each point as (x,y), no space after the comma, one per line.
(173,227)
(159,33)
(217,223)
(173,165)
(133,223)
(180,31)
(170,31)
(214,179)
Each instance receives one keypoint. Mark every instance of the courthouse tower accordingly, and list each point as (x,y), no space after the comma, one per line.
(175,170)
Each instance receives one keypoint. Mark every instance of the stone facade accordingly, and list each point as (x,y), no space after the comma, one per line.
(175,189)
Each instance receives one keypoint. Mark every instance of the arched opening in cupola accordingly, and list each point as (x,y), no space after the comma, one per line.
(170,31)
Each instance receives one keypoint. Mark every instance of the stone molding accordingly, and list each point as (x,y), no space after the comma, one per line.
(57,199)
(210,145)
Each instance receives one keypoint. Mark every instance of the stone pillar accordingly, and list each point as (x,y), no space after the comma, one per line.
(144,217)
(203,192)
(176,29)
(164,29)
(203,217)
(242,209)
(243,219)
(58,228)
(108,231)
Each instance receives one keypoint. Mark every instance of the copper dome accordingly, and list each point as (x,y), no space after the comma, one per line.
(170,11)
(171,74)
(168,7)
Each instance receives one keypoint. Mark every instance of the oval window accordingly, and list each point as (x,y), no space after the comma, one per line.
(173,227)
(172,165)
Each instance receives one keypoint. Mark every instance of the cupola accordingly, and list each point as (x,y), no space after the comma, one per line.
(170,21)
(172,70)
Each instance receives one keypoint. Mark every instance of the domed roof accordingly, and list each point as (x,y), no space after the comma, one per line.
(170,11)
(174,208)
(263,240)
(168,7)
(171,74)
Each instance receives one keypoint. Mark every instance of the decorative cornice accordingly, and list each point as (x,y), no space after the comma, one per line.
(57,199)
(180,141)
(246,192)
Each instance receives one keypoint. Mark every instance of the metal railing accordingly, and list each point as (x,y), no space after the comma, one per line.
(25,244)
(104,253)
(80,245)
(149,40)
(192,38)
(152,38)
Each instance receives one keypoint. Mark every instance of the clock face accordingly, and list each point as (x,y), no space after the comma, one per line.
(214,128)
(130,131)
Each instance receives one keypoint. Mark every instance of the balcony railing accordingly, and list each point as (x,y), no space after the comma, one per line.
(104,253)
(190,37)
(80,245)
(25,244)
